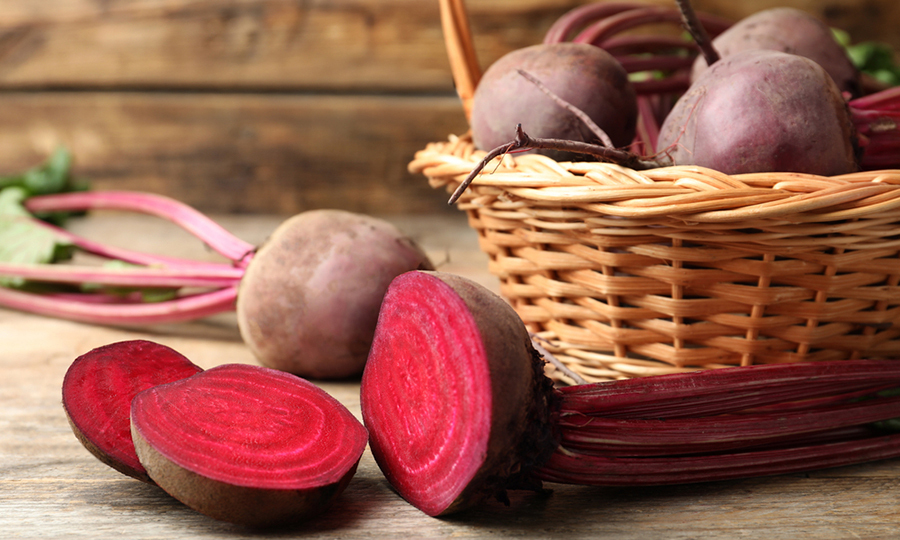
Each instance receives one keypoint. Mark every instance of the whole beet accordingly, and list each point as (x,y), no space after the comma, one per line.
(586,76)
(792,31)
(762,111)
(309,301)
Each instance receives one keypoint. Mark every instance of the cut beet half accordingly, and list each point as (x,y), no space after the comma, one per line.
(97,391)
(443,400)
(247,444)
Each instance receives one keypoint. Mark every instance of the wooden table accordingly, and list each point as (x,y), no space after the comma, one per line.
(51,487)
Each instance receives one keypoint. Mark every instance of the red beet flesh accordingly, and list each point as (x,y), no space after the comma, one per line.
(461,396)
(247,444)
(97,391)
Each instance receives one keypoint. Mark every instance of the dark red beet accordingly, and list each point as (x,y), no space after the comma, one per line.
(762,111)
(247,444)
(464,358)
(97,392)
(310,297)
(792,31)
(583,75)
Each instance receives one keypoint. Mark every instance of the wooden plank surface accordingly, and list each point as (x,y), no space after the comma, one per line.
(51,487)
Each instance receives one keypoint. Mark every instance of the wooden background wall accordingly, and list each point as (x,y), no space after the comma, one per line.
(272,106)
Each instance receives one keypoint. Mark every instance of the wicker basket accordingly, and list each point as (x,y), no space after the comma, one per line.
(624,273)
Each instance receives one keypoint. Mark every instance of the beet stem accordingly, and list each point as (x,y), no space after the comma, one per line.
(691,435)
(185,308)
(888,99)
(629,45)
(152,271)
(647,125)
(567,466)
(688,413)
(585,119)
(125,277)
(564,27)
(603,29)
(695,27)
(124,255)
(673,84)
(210,232)
(696,393)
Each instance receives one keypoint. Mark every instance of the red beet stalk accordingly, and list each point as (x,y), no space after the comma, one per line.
(211,287)
(459,409)
(877,120)
(577,468)
(605,24)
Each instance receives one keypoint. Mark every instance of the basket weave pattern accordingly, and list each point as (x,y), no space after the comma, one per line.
(626,273)
(630,273)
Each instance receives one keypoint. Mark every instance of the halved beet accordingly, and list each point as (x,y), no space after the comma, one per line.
(247,444)
(97,391)
(453,370)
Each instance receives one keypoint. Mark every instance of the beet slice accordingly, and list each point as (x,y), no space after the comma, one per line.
(247,444)
(462,398)
(97,391)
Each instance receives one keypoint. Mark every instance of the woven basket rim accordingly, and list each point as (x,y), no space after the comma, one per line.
(690,193)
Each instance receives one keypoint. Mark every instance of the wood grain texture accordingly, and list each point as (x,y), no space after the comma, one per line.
(238,152)
(51,487)
(259,44)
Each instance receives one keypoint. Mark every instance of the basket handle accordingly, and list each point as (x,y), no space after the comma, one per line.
(460,50)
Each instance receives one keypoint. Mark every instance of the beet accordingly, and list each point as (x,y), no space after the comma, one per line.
(792,31)
(247,444)
(762,111)
(587,77)
(476,393)
(309,300)
(459,410)
(97,391)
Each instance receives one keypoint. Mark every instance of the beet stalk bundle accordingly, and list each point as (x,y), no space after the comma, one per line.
(459,410)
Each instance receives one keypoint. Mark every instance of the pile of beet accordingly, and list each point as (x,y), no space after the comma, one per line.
(738,98)
(245,444)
